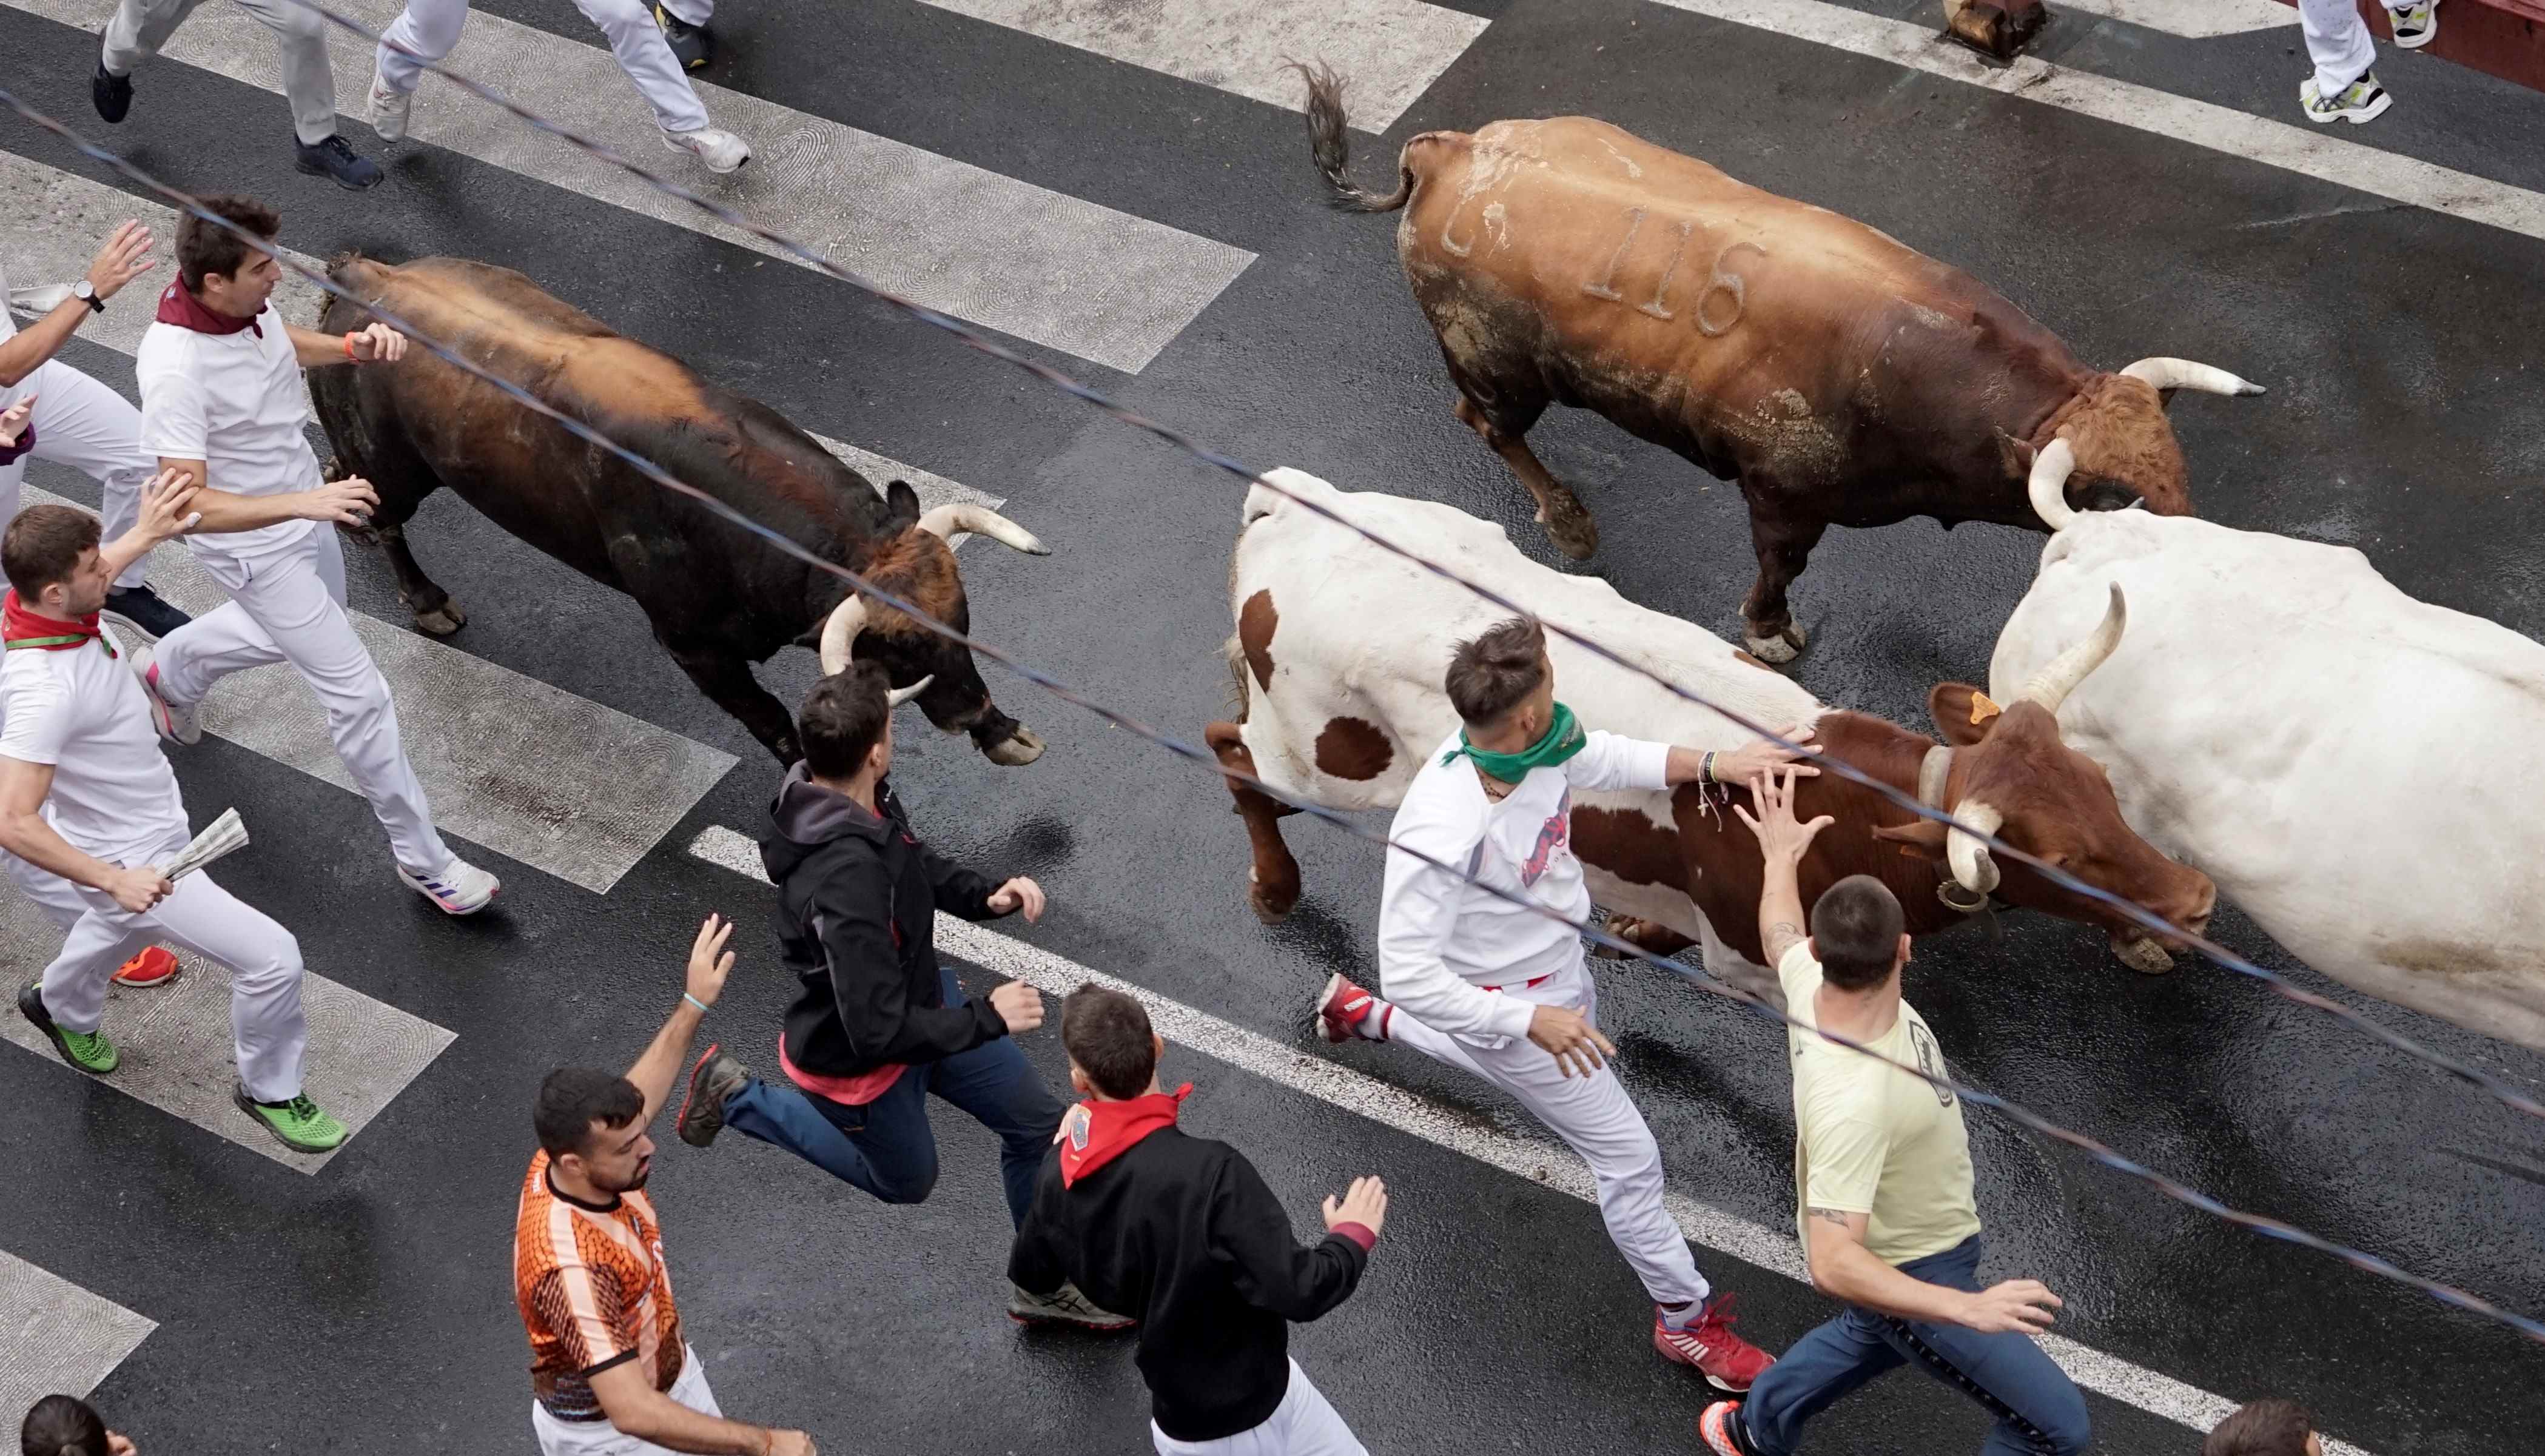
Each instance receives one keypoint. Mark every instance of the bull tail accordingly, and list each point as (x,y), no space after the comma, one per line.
(1330,146)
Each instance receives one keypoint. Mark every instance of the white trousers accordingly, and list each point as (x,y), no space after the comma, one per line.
(1597,1120)
(83,424)
(288,606)
(1303,1424)
(601,1438)
(268,1029)
(431,28)
(2339,42)
(141,26)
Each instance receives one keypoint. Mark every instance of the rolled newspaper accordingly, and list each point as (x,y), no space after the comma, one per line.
(219,838)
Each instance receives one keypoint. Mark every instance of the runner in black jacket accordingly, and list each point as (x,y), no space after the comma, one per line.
(1181,1234)
(877,1024)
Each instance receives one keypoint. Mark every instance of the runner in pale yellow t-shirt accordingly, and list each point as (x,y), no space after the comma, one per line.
(1882,1174)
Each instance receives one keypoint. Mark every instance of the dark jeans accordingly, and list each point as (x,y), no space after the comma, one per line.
(887,1147)
(2037,1407)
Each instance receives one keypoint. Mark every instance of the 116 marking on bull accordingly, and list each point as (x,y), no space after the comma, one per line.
(1721,280)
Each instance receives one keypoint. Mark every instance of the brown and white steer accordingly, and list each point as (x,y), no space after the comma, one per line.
(1338,656)
(1839,376)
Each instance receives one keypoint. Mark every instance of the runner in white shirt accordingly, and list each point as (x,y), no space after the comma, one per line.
(88,810)
(223,401)
(79,422)
(1481,982)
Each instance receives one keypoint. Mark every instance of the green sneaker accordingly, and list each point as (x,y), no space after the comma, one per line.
(89,1051)
(297,1124)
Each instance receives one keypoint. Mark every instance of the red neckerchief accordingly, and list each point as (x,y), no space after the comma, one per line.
(23,628)
(185,311)
(1096,1133)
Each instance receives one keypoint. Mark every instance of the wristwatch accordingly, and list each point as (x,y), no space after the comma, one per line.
(86,293)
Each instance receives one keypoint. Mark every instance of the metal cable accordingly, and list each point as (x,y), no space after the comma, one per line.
(2169,1187)
(2498,1088)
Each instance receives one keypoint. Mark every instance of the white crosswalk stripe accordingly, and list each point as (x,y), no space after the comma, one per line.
(1392,49)
(1040,265)
(55,1336)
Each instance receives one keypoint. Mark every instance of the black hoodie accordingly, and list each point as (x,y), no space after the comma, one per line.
(857,898)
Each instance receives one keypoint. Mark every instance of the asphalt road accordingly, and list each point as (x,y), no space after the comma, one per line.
(367,1308)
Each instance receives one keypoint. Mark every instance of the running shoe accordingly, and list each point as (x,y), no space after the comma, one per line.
(720,150)
(1708,1346)
(111,94)
(157,966)
(336,160)
(1723,1432)
(297,1124)
(691,44)
(2362,101)
(177,723)
(716,1078)
(146,610)
(89,1051)
(2415,25)
(1063,1306)
(461,889)
(389,108)
(1344,1013)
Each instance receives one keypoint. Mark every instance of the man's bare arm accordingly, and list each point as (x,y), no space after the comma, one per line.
(635,1409)
(1845,1269)
(25,834)
(348,502)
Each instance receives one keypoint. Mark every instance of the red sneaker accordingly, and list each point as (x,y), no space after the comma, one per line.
(1720,1428)
(1727,1361)
(157,966)
(1345,1011)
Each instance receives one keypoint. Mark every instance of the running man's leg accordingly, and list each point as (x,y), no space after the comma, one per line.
(137,31)
(2339,42)
(426,29)
(647,59)
(2038,1409)
(81,423)
(308,79)
(883,1147)
(1440,1046)
(1812,1373)
(1001,1090)
(269,1028)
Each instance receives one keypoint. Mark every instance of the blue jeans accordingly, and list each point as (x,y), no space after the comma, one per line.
(2037,1407)
(887,1147)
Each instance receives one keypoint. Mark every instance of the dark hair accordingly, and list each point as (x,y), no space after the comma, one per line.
(43,547)
(573,1099)
(843,720)
(1856,932)
(204,247)
(1106,1035)
(2272,1427)
(62,1425)
(1491,673)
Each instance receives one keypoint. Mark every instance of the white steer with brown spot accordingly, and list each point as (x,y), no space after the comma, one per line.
(2361,772)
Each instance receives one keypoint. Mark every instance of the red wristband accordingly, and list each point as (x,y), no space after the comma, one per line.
(348,348)
(1357,1233)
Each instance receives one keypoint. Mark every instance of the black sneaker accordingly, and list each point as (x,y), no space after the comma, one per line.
(146,609)
(336,159)
(692,46)
(716,1078)
(111,94)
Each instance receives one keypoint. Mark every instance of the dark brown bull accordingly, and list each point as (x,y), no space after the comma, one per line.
(719,598)
(1840,377)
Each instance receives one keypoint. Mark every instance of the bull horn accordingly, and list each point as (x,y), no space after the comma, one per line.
(2051,685)
(1969,859)
(2048,485)
(946,523)
(2182,374)
(840,632)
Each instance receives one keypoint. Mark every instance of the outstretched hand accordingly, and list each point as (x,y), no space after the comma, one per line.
(710,961)
(1765,755)
(1782,837)
(13,420)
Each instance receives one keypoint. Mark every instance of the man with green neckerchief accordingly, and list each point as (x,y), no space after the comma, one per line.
(1476,980)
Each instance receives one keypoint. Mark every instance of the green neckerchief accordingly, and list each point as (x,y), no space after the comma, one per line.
(1563,739)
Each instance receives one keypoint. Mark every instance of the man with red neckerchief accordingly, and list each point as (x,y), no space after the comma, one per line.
(1181,1233)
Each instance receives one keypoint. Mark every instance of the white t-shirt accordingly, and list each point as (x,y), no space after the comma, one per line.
(1442,941)
(12,393)
(235,402)
(83,712)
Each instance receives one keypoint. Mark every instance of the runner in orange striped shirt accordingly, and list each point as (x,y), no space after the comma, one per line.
(609,1373)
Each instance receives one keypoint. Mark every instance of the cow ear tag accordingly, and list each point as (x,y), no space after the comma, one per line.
(1982,709)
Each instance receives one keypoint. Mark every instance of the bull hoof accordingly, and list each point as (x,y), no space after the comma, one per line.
(442,621)
(1271,903)
(1016,751)
(2144,955)
(1571,530)
(1626,928)
(1779,649)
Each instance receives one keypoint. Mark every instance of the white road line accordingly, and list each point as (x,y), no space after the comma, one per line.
(2200,19)
(1539,1159)
(55,1336)
(1040,265)
(175,1040)
(2305,150)
(1392,49)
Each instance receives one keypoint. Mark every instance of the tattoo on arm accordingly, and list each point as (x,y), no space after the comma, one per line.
(1831,1214)
(1782,937)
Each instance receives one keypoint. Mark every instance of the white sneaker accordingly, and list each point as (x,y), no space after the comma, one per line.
(719,149)
(2362,101)
(461,889)
(177,723)
(2415,25)
(390,108)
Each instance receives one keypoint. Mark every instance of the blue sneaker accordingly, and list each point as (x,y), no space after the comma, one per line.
(336,160)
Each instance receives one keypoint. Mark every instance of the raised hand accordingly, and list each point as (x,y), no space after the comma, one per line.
(1363,1203)
(1780,834)
(125,256)
(710,961)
